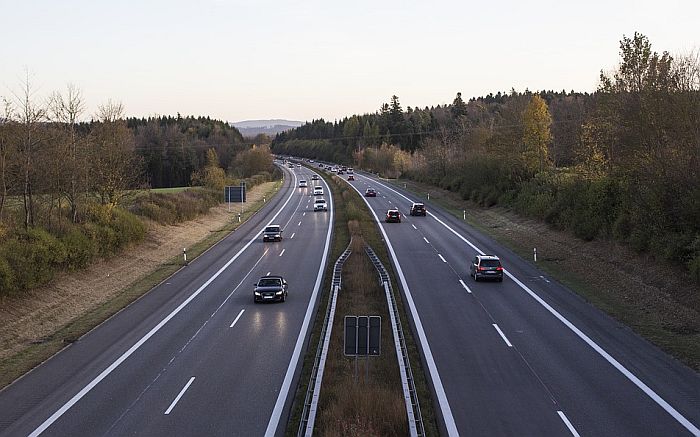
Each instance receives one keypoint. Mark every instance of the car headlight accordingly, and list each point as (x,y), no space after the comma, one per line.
(257,293)
(279,292)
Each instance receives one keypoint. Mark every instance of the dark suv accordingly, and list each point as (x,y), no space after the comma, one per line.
(418,209)
(486,267)
(270,289)
(272,233)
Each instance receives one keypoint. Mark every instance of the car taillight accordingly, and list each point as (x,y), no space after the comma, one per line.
(499,268)
(481,269)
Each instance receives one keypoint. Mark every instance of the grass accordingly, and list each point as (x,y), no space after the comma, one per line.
(350,208)
(20,363)
(661,321)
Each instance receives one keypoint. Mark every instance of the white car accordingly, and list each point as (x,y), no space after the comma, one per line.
(318,191)
(303,184)
(320,205)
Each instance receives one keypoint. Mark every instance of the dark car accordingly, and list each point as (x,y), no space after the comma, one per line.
(486,267)
(369,192)
(351,178)
(270,289)
(393,216)
(272,233)
(314,177)
(418,209)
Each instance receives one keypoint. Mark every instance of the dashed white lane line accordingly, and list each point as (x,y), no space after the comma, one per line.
(293,234)
(282,253)
(299,224)
(426,240)
(303,214)
(544,279)
(182,392)
(241,313)
(414,226)
(268,273)
(502,335)
(465,286)
(568,424)
(442,258)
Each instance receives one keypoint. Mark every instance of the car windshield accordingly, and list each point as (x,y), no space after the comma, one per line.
(418,206)
(269,282)
(490,263)
(393,213)
(272,229)
(320,201)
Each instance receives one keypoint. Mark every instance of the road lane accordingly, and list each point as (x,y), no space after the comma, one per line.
(132,397)
(595,397)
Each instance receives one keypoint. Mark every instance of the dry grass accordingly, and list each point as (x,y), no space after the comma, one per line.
(352,401)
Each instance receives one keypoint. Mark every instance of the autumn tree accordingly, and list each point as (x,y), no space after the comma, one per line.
(211,175)
(536,135)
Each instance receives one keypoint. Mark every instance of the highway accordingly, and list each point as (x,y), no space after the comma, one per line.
(195,355)
(525,357)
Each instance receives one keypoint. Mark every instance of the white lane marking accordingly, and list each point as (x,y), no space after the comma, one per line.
(442,258)
(85,390)
(293,234)
(502,335)
(299,224)
(465,286)
(609,358)
(282,253)
(444,404)
(414,226)
(568,424)
(268,273)
(293,362)
(239,315)
(426,240)
(544,279)
(182,392)
(308,201)
(303,214)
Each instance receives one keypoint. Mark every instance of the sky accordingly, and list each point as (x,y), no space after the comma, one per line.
(304,60)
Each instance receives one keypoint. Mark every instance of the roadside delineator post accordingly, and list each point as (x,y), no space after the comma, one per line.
(534,253)
(428,196)
(464,215)
(184,254)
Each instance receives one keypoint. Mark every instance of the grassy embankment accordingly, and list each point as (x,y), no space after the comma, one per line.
(349,405)
(640,292)
(35,353)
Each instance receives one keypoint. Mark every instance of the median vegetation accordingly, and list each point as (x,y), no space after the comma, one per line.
(349,404)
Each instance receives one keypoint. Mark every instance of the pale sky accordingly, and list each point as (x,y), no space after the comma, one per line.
(300,60)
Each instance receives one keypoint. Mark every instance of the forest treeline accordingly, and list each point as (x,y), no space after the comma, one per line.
(620,163)
(72,190)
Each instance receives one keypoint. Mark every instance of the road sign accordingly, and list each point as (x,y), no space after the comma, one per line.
(235,194)
(362,335)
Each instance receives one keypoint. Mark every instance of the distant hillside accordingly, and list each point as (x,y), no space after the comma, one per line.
(251,128)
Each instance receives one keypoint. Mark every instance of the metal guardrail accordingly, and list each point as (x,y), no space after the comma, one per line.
(308,415)
(415,419)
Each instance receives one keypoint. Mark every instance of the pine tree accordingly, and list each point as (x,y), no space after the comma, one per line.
(459,108)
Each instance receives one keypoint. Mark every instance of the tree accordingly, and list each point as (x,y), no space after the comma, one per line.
(115,167)
(212,175)
(536,135)
(66,111)
(459,108)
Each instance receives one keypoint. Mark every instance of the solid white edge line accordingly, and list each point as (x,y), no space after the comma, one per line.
(414,226)
(616,364)
(503,336)
(293,362)
(238,317)
(426,240)
(282,253)
(72,401)
(442,258)
(465,286)
(182,392)
(568,424)
(444,404)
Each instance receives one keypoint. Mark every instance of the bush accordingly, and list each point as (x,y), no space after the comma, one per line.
(79,249)
(7,278)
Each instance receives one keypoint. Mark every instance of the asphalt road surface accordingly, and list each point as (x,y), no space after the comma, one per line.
(525,357)
(195,355)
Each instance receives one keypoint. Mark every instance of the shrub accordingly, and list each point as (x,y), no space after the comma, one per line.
(7,278)
(79,249)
